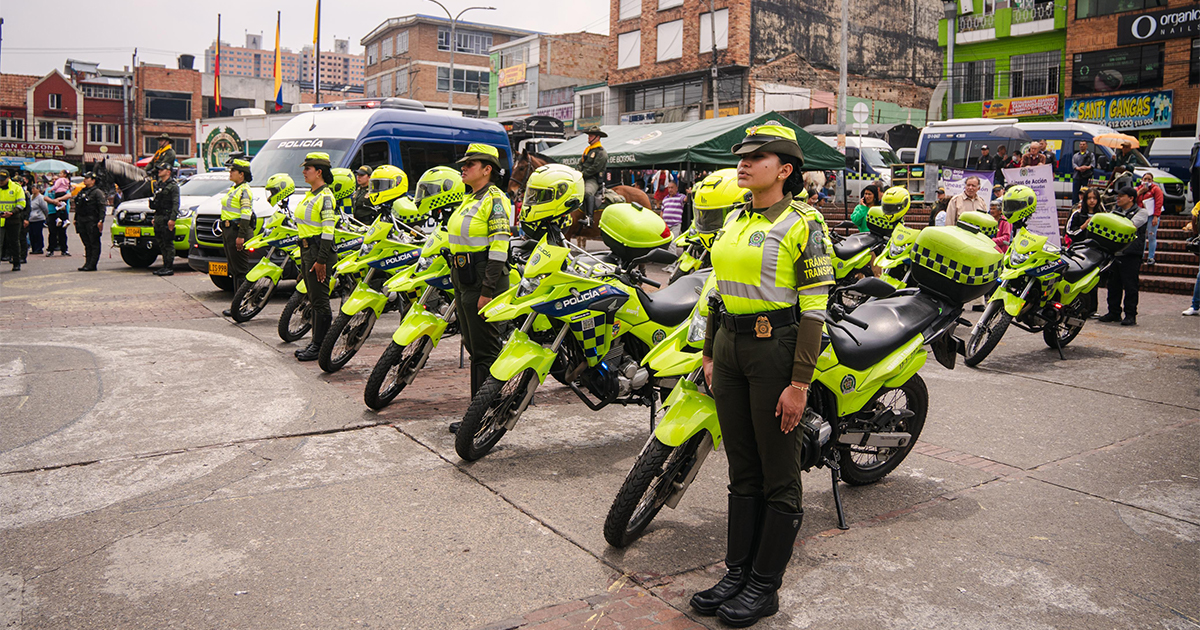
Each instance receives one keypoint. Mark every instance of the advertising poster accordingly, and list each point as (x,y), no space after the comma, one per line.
(1026,106)
(1041,179)
(954,179)
(1148,110)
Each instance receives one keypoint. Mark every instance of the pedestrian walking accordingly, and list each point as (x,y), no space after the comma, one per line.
(315,219)
(760,351)
(870,197)
(13,213)
(1151,196)
(58,218)
(1193,228)
(1123,275)
(237,223)
(38,212)
(165,204)
(1082,164)
(89,220)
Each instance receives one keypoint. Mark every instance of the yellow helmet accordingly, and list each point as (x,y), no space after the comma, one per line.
(279,187)
(405,210)
(343,183)
(387,183)
(1018,204)
(439,187)
(895,202)
(715,196)
(551,193)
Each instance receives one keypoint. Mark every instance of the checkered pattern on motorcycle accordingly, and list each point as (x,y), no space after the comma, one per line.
(956,271)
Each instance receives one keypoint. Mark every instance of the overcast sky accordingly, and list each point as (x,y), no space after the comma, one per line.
(107,32)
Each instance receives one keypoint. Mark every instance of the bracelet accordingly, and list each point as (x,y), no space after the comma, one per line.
(803,389)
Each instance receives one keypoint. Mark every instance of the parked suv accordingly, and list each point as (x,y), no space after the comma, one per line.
(133,220)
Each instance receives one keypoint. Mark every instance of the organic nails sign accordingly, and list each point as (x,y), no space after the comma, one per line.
(1157,26)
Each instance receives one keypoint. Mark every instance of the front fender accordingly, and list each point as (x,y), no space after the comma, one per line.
(522,353)
(363,298)
(350,264)
(843,268)
(669,357)
(265,269)
(1013,304)
(688,413)
(502,309)
(418,323)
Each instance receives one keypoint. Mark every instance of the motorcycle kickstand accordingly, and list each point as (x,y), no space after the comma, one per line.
(835,472)
(1058,344)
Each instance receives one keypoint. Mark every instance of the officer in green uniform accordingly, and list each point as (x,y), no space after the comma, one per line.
(478,234)
(164,155)
(362,208)
(166,207)
(237,222)
(592,166)
(89,220)
(13,212)
(773,274)
(315,219)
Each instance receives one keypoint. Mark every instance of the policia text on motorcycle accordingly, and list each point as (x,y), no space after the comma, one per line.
(478,234)
(237,222)
(315,219)
(165,204)
(773,274)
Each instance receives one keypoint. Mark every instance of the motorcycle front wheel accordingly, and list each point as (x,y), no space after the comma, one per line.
(296,319)
(494,405)
(863,465)
(987,333)
(251,298)
(648,486)
(394,371)
(345,337)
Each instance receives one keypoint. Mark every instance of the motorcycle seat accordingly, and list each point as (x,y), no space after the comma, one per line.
(1081,261)
(854,244)
(892,322)
(672,304)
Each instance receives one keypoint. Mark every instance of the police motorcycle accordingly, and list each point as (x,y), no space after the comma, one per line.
(1044,288)
(712,199)
(852,255)
(390,245)
(296,319)
(280,238)
(601,322)
(867,403)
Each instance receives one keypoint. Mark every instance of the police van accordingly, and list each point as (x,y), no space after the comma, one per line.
(867,160)
(956,143)
(365,131)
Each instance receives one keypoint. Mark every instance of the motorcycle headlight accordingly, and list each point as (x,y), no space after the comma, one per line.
(424,263)
(1050,249)
(895,251)
(1018,259)
(528,285)
(698,327)
(366,247)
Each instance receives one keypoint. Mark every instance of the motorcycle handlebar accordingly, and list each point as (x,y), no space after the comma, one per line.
(645,280)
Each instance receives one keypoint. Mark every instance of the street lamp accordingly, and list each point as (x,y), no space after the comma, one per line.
(454,44)
(950,10)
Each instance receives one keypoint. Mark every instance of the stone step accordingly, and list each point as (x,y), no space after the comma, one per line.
(1166,284)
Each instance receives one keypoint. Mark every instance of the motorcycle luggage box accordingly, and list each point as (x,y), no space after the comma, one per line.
(1110,232)
(954,263)
(631,231)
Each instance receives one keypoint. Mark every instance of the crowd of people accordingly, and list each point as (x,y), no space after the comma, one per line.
(35,211)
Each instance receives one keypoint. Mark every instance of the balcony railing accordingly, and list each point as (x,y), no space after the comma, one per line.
(1028,11)
(980,22)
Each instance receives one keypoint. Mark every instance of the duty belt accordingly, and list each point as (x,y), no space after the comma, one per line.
(761,324)
(460,261)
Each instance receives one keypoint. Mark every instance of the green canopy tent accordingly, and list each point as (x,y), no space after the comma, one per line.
(697,142)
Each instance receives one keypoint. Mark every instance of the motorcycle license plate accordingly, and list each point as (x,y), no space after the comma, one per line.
(218,269)
(133,231)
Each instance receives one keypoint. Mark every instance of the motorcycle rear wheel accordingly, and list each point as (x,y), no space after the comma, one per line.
(394,371)
(344,339)
(491,409)
(987,333)
(296,319)
(647,487)
(251,298)
(862,465)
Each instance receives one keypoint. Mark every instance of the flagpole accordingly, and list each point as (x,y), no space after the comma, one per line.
(278,69)
(317,54)
(217,79)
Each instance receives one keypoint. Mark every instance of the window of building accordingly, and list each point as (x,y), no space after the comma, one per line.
(722,31)
(12,128)
(729,88)
(1093,8)
(372,53)
(629,50)
(679,94)
(989,7)
(1130,68)
(55,101)
(465,81)
(514,96)
(104,133)
(385,85)
(591,105)
(975,81)
(45,130)
(102,91)
(402,82)
(1034,74)
(670,40)
(514,56)
(182,145)
(469,42)
(51,130)
(402,43)
(669,4)
(387,49)
(1194,75)
(629,9)
(168,105)
(370,88)
(559,96)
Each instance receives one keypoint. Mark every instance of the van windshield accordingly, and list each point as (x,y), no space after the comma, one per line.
(879,159)
(205,187)
(287,156)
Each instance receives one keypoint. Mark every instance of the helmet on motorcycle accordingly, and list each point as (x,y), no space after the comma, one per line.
(1018,204)
(343,183)
(980,221)
(387,183)
(439,187)
(279,187)
(895,202)
(407,211)
(715,196)
(551,193)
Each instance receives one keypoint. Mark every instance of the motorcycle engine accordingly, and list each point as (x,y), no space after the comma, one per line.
(816,434)
(617,376)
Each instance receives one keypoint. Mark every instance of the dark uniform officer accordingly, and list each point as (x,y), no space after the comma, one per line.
(13,213)
(89,220)
(478,235)
(237,222)
(361,207)
(773,274)
(315,219)
(166,208)
(164,155)
(592,166)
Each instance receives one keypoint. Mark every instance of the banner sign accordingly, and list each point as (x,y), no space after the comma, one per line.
(512,75)
(1148,110)
(1157,26)
(565,113)
(955,179)
(32,149)
(1044,221)
(1026,106)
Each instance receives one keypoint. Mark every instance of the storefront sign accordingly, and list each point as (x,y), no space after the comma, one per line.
(32,149)
(724,111)
(1148,110)
(1026,106)
(644,118)
(1157,26)
(220,143)
(565,113)
(512,75)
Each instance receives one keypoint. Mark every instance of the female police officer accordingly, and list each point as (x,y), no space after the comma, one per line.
(315,219)
(478,234)
(773,275)
(237,222)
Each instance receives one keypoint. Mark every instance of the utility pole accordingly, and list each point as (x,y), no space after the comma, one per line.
(950,10)
(712,22)
(454,45)
(842,87)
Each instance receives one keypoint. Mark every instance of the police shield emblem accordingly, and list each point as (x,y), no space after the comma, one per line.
(757,238)
(762,327)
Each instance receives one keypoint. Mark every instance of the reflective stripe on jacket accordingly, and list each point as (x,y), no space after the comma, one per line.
(237,204)
(482,223)
(316,214)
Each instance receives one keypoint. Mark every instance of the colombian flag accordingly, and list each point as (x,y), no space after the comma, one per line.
(278,68)
(217,68)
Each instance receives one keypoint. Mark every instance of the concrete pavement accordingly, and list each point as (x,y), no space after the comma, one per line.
(163,467)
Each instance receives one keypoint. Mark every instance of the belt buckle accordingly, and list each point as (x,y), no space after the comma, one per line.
(762,327)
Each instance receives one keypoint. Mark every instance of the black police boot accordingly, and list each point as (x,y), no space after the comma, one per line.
(227,312)
(760,597)
(309,353)
(16,266)
(744,516)
(320,327)
(1110,317)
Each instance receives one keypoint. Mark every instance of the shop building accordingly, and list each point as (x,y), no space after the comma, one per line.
(538,74)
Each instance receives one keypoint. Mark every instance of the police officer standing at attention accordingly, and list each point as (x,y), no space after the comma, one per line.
(166,207)
(592,166)
(237,222)
(315,219)
(89,220)
(13,212)
(361,207)
(478,234)
(773,274)
(164,155)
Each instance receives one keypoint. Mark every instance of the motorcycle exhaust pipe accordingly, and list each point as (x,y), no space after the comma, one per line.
(878,440)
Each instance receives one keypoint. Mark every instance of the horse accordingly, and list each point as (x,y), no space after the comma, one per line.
(133,182)
(530,161)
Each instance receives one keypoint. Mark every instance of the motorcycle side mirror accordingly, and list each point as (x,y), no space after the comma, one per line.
(658,255)
(873,287)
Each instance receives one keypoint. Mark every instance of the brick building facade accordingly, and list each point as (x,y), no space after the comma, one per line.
(538,74)
(54,109)
(168,101)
